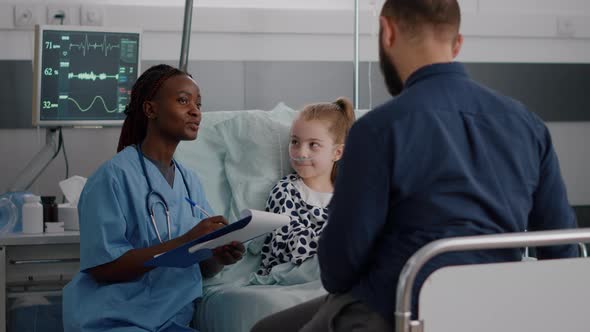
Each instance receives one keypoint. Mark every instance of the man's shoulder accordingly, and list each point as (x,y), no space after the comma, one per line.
(390,114)
(504,105)
(424,100)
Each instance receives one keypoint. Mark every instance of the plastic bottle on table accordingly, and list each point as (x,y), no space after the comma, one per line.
(32,215)
(8,215)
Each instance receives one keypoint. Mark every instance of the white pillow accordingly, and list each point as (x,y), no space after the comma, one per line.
(256,156)
(208,156)
(204,156)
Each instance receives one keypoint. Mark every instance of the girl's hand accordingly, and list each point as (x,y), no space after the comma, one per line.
(229,253)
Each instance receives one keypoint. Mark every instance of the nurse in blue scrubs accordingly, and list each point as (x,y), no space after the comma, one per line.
(135,207)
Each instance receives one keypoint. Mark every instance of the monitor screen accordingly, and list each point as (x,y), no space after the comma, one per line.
(83,76)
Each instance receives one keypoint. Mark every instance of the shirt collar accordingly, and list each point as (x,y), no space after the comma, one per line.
(453,68)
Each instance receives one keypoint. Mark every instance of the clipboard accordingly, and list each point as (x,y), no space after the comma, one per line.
(252,224)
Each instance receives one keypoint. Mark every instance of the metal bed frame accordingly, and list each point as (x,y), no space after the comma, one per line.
(403,314)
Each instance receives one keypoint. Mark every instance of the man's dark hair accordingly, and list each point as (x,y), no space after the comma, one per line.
(413,15)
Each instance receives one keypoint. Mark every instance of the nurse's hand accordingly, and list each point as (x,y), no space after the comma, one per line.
(204,227)
(229,253)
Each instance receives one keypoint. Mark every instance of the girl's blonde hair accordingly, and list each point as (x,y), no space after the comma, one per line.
(339,115)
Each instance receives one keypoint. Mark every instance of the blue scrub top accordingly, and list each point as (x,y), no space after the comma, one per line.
(114,220)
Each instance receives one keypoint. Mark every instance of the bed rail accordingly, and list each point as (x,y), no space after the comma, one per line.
(403,314)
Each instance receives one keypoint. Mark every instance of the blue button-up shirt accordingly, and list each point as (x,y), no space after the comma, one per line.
(447,157)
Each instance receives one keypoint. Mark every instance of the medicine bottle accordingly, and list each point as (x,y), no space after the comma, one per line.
(32,215)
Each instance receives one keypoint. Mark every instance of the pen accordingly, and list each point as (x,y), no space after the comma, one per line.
(193,203)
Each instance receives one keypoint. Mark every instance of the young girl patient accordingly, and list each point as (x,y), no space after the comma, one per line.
(317,143)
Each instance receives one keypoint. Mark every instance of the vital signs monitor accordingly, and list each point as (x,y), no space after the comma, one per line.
(83,75)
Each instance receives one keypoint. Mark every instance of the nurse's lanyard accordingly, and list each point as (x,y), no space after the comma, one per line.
(159,198)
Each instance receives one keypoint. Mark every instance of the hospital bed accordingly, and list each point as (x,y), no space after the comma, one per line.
(540,296)
(239,156)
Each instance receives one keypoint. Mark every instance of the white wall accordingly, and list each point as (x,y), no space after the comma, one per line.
(309,30)
(86,150)
(321,4)
(571,141)
(321,30)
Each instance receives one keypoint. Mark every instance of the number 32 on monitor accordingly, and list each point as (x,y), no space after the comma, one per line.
(83,75)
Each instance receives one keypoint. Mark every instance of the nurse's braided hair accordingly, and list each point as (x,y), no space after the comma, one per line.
(145,88)
(339,116)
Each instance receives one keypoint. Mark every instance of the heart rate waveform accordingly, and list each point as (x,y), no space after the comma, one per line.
(82,109)
(91,76)
(85,46)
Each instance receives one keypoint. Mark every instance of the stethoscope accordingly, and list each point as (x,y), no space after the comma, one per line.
(158,196)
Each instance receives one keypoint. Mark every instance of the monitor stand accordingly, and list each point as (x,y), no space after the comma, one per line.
(39,163)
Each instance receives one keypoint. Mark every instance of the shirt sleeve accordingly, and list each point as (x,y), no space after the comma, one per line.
(358,210)
(551,209)
(102,222)
(280,201)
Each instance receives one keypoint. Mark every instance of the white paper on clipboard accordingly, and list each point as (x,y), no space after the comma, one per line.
(252,224)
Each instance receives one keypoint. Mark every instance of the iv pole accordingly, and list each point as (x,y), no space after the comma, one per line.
(356,54)
(186,35)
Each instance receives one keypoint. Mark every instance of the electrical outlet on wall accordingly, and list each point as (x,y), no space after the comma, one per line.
(92,15)
(63,14)
(27,15)
(566,26)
